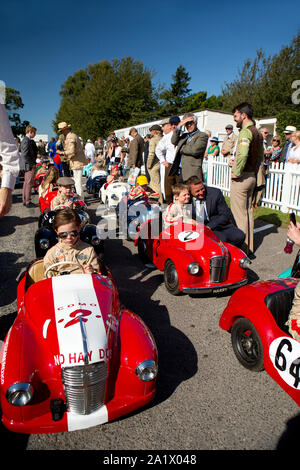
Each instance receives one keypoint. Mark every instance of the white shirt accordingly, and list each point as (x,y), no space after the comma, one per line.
(165,150)
(294,152)
(9,154)
(89,151)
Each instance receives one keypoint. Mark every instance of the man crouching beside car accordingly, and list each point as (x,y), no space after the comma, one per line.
(209,207)
(294,316)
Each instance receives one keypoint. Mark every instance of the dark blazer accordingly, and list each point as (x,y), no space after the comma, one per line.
(29,152)
(220,218)
(136,150)
(219,214)
(190,153)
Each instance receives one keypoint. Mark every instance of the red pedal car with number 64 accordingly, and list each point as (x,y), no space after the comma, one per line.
(256,317)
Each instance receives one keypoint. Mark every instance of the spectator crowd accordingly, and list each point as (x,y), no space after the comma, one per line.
(171,153)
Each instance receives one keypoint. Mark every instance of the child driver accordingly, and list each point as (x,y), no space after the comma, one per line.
(180,209)
(69,247)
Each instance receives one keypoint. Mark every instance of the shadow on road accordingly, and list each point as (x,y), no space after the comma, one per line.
(9,272)
(12,440)
(11,221)
(290,437)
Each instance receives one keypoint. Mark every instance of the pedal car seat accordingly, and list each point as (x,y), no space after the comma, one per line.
(280,303)
(35,273)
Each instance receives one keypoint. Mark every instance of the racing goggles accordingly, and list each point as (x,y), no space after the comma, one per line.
(72,233)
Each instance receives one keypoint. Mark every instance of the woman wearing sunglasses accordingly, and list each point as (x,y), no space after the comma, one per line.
(69,247)
(273,154)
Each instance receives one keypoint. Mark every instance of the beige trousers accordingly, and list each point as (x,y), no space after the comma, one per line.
(154,174)
(77,176)
(241,194)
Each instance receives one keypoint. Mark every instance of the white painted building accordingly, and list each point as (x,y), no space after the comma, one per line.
(43,137)
(207,120)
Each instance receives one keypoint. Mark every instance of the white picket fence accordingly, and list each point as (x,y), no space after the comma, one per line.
(282,186)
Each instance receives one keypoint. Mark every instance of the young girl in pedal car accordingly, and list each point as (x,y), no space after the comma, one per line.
(69,247)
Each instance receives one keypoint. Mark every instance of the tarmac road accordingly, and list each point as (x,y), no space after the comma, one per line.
(205,399)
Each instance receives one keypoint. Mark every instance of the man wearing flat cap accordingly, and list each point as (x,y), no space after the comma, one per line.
(74,154)
(229,142)
(153,163)
(191,146)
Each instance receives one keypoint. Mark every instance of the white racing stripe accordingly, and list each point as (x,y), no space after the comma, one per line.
(76,422)
(74,295)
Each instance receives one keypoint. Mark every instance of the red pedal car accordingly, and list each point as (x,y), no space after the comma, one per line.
(255,316)
(194,260)
(74,357)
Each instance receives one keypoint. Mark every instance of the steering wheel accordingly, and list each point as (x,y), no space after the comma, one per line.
(61,206)
(50,268)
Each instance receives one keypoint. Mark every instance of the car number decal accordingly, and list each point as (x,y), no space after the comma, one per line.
(188,236)
(285,355)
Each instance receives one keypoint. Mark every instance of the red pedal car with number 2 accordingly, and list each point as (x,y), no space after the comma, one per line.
(74,357)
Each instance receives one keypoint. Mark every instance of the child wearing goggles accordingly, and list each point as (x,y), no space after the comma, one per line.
(69,247)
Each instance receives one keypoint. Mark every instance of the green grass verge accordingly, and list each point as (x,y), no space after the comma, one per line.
(271,216)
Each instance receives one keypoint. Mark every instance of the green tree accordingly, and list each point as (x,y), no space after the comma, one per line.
(107,96)
(266,82)
(13,103)
(199,101)
(175,99)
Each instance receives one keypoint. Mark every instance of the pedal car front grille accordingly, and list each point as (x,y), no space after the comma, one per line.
(85,387)
(218,265)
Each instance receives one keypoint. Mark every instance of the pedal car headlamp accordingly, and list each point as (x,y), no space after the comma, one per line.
(193,268)
(19,394)
(114,197)
(44,243)
(95,240)
(146,371)
(245,263)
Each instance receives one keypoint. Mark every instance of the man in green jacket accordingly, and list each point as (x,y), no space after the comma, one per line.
(249,155)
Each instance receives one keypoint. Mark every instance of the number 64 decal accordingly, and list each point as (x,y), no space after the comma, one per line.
(285,356)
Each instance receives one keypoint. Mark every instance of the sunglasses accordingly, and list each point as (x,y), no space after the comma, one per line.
(72,233)
(275,140)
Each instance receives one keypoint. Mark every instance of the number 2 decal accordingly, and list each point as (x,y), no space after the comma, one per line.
(285,356)
(188,236)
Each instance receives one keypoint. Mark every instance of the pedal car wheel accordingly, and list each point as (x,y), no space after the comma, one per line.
(247,345)
(171,278)
(142,250)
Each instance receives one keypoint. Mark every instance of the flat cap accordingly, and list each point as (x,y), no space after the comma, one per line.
(65,181)
(174,120)
(155,127)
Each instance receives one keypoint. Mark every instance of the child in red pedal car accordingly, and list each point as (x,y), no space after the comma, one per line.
(142,189)
(180,209)
(70,248)
(65,196)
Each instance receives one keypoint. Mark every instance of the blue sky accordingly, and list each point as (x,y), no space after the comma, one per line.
(42,43)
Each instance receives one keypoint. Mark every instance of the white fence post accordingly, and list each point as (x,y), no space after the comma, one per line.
(282,190)
(286,190)
(210,170)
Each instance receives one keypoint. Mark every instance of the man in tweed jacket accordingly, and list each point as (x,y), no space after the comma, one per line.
(191,146)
